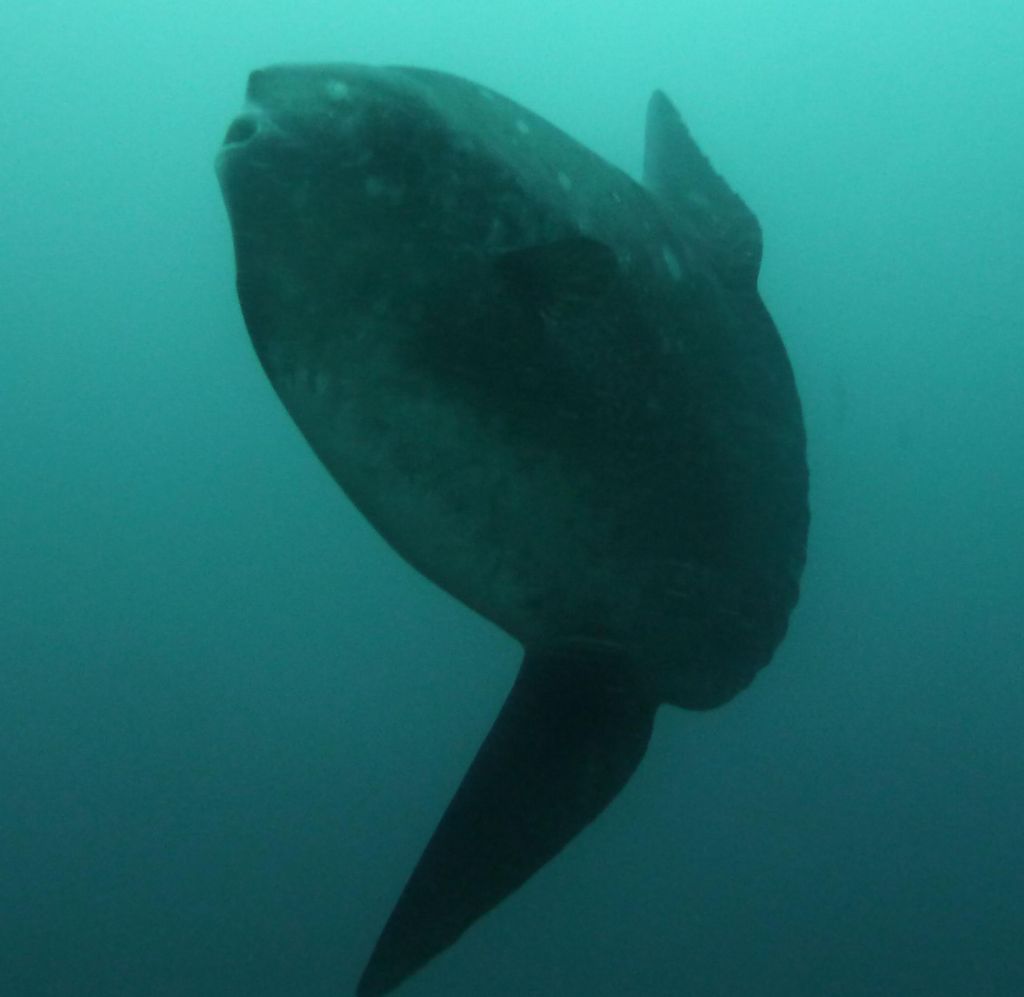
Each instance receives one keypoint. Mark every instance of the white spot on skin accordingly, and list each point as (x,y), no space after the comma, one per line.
(321,384)
(565,181)
(522,127)
(675,271)
(496,233)
(376,188)
(338,91)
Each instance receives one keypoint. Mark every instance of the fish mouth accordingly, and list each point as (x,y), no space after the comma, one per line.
(241,138)
(251,122)
(244,128)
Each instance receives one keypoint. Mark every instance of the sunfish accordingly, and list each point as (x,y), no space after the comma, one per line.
(557,393)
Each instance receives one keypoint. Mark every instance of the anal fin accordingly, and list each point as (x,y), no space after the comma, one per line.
(569,736)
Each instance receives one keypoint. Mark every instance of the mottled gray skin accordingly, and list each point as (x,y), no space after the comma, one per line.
(555,391)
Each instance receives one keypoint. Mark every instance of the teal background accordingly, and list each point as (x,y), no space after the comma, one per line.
(230,716)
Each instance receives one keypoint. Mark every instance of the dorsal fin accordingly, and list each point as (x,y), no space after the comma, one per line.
(680,176)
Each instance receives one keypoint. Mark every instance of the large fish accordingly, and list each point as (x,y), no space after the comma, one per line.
(557,393)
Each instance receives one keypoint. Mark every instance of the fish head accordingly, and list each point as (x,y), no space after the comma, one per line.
(356,194)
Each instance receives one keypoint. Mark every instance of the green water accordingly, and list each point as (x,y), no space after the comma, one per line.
(231,716)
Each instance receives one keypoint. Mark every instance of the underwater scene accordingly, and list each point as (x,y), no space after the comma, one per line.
(512,499)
